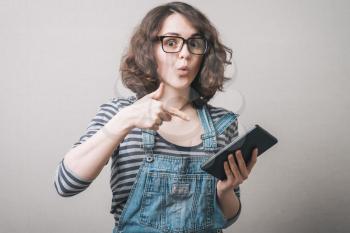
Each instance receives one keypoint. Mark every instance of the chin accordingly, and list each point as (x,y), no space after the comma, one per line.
(180,82)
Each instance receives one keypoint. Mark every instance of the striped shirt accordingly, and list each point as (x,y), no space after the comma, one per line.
(128,156)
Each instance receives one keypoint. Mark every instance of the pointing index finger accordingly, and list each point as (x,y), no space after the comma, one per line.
(178,113)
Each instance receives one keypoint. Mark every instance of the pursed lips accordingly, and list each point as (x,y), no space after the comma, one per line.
(183,70)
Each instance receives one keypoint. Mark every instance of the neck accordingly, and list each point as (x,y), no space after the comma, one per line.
(177,98)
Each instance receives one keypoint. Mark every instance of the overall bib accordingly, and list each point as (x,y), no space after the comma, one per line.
(172,193)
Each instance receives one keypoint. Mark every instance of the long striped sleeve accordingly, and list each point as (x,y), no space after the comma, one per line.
(104,114)
(66,182)
(230,134)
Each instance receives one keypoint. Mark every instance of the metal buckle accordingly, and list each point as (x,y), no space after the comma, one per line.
(209,135)
(149,158)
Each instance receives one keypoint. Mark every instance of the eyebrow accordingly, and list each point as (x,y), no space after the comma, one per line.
(177,34)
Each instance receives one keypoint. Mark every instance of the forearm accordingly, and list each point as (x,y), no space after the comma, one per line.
(229,203)
(88,159)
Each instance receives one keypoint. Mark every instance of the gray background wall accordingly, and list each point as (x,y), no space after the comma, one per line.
(59,62)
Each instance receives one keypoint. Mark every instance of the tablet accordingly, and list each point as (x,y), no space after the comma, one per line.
(254,137)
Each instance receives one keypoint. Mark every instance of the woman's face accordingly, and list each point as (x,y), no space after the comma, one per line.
(177,69)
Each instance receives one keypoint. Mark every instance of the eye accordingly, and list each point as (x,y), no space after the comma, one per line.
(197,43)
(170,42)
(193,43)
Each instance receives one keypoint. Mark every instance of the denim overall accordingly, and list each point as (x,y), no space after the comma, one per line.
(172,193)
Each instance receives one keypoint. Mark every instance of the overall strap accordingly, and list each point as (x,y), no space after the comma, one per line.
(225,121)
(148,140)
(209,136)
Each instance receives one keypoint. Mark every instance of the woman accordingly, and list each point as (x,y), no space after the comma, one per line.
(158,138)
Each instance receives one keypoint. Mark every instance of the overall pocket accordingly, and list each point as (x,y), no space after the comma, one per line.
(178,202)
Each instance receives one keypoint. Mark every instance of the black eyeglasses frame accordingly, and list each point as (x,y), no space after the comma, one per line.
(160,38)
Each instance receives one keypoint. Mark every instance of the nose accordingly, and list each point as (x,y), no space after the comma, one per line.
(184,53)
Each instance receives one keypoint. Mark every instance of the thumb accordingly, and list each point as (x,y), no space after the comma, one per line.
(157,94)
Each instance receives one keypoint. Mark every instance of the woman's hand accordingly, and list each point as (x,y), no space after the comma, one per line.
(149,112)
(236,174)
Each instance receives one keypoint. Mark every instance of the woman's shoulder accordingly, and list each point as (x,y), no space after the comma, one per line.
(112,105)
(217,112)
(232,129)
(122,100)
(118,102)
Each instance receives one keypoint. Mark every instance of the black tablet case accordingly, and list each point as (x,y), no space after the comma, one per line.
(256,137)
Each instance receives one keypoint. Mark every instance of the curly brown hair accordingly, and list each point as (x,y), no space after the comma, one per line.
(139,70)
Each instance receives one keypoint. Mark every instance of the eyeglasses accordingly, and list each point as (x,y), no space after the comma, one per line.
(174,44)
